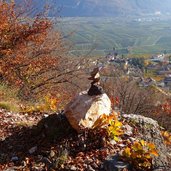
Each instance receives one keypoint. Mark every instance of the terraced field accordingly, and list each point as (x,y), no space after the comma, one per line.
(126,35)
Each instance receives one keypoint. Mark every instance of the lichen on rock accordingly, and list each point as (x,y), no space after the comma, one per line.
(149,130)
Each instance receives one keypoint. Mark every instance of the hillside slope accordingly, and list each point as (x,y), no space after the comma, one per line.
(105,33)
(108,8)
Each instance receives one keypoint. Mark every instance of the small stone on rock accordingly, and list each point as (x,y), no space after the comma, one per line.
(14,159)
(33,150)
(113,142)
(73,168)
(52,153)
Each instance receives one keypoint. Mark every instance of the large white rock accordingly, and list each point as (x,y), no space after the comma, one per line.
(84,110)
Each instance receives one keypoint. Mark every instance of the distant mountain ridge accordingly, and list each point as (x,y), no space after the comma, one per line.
(91,8)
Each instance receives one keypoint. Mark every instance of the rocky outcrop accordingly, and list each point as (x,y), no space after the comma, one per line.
(84,109)
(55,126)
(149,130)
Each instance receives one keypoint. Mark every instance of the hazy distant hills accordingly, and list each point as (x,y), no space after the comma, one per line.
(88,8)
(140,34)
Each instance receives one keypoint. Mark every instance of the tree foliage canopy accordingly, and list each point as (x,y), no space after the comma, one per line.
(30,49)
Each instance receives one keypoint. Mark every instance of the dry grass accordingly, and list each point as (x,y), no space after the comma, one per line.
(8,98)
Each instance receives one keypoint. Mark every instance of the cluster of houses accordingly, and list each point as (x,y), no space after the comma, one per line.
(159,65)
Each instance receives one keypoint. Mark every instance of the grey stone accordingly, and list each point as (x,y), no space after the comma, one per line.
(113,164)
(150,131)
(14,158)
(33,150)
(52,153)
(90,168)
(46,161)
(128,130)
(73,168)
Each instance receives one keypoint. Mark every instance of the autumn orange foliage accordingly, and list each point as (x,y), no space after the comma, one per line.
(139,154)
(166,107)
(30,50)
(162,113)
